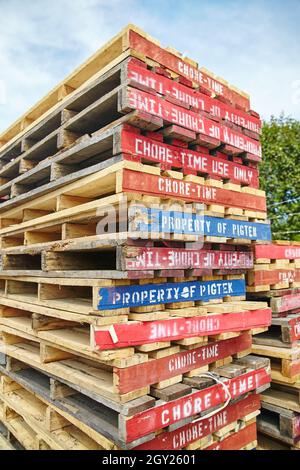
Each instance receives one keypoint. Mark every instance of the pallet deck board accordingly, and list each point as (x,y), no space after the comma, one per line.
(136,333)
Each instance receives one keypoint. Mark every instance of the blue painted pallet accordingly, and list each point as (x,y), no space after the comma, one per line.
(193,224)
(155,294)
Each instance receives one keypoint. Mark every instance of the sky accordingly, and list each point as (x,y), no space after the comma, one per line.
(254,45)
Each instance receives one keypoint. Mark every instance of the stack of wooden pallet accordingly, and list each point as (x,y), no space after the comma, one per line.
(114,314)
(276,279)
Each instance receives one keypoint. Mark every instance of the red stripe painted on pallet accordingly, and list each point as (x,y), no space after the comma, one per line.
(174,63)
(134,181)
(182,437)
(170,113)
(288,302)
(273,276)
(237,440)
(190,97)
(296,426)
(274,251)
(295,328)
(161,416)
(189,161)
(141,375)
(168,258)
(135,333)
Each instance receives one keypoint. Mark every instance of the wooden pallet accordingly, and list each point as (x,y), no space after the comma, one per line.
(125,429)
(276,413)
(284,395)
(205,131)
(78,233)
(36,424)
(266,277)
(130,144)
(130,260)
(51,410)
(277,251)
(128,177)
(285,362)
(130,40)
(124,376)
(268,424)
(284,332)
(222,321)
(283,302)
(115,297)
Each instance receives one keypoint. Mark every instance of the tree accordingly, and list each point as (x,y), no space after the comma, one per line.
(280,175)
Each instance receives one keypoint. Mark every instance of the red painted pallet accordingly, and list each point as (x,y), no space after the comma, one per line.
(136,258)
(290,327)
(138,147)
(185,69)
(277,251)
(185,435)
(160,186)
(138,75)
(286,303)
(134,99)
(154,371)
(169,413)
(238,440)
(136,333)
(273,276)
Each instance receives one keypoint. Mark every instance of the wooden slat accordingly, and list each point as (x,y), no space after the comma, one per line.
(275,251)
(135,333)
(164,368)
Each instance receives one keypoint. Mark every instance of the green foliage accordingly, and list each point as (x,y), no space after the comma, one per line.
(280,175)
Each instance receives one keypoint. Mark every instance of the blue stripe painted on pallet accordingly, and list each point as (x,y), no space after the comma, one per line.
(193,224)
(154,294)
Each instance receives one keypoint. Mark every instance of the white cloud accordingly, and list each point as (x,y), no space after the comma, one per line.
(253,45)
